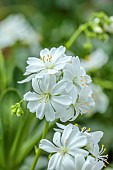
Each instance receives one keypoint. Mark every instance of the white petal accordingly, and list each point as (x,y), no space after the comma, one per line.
(78,142)
(99,165)
(41,73)
(63,99)
(60,126)
(32,106)
(48,146)
(52,51)
(58,88)
(46,81)
(68,76)
(68,162)
(57,139)
(66,133)
(57,107)
(49,112)
(79,161)
(52,71)
(29,96)
(33,68)
(67,115)
(59,66)
(40,112)
(58,53)
(29,78)
(52,83)
(74,151)
(55,162)
(35,85)
(97,136)
(35,61)
(44,52)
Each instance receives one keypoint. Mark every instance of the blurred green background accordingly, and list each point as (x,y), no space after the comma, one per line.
(49,23)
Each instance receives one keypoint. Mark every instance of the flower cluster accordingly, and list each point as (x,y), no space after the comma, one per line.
(60,86)
(74,149)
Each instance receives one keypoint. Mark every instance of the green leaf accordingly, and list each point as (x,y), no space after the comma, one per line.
(18,76)
(2,73)
(8,123)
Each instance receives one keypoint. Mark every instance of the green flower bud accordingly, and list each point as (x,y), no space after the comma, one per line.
(16,109)
(87,46)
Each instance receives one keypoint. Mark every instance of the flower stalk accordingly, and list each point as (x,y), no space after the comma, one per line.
(75,35)
(38,152)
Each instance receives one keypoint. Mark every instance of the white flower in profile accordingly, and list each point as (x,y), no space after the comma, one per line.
(92,146)
(109,27)
(98,153)
(95,60)
(81,104)
(66,145)
(86,164)
(47,98)
(50,62)
(75,76)
(100,98)
(93,138)
(16,28)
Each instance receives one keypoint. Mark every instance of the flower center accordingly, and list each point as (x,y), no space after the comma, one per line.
(45,97)
(48,61)
(75,80)
(46,58)
(64,150)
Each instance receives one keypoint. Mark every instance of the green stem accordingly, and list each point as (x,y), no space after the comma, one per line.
(75,35)
(38,153)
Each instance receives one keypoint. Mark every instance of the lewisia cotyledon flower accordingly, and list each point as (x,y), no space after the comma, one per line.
(95,60)
(66,145)
(47,99)
(50,62)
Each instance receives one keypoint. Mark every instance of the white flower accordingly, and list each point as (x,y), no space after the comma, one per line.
(66,145)
(95,60)
(81,104)
(100,98)
(50,62)
(92,146)
(89,164)
(47,98)
(109,27)
(16,28)
(75,76)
